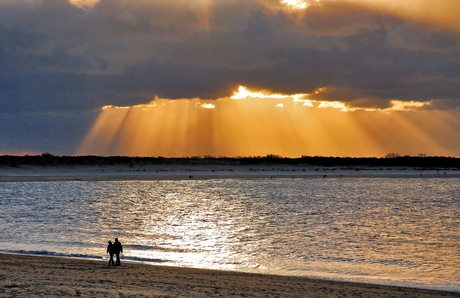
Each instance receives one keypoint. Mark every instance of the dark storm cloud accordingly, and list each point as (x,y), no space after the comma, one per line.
(58,58)
(183,49)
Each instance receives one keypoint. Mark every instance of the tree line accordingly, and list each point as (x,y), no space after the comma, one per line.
(394,160)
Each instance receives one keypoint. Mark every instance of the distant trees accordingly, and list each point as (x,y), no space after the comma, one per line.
(395,155)
(390,160)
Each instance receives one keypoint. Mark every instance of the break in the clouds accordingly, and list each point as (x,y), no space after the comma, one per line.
(61,61)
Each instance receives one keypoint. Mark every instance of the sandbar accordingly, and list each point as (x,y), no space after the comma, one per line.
(199,172)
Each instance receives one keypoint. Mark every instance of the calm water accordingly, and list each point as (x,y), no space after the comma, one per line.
(391,231)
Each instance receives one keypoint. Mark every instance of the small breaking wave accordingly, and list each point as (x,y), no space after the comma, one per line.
(51,254)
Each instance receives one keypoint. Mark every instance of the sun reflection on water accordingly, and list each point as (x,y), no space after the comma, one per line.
(191,229)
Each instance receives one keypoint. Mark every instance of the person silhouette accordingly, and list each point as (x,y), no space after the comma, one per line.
(117,249)
(110,251)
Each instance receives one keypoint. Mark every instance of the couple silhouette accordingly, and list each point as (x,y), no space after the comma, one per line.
(114,249)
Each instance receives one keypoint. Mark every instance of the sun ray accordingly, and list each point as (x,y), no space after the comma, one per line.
(260,122)
(104,131)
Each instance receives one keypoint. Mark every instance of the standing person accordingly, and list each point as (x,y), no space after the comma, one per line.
(117,249)
(110,251)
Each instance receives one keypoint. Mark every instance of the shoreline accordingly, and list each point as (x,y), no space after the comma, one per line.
(23,275)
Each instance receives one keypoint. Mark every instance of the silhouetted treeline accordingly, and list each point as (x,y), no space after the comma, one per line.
(47,159)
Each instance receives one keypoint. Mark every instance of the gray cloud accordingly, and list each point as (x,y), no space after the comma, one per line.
(57,58)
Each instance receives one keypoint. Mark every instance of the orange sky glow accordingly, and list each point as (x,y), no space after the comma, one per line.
(258,123)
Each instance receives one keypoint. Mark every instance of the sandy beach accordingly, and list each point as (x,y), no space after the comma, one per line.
(28,276)
(174,172)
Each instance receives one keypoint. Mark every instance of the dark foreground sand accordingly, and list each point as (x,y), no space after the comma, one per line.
(32,276)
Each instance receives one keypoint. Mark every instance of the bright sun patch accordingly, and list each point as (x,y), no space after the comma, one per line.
(84,4)
(244,92)
(295,4)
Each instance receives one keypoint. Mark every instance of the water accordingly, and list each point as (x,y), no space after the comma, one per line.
(400,231)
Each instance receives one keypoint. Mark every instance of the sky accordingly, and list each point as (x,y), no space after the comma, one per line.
(360,78)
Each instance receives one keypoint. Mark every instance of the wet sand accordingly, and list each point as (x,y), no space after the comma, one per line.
(26,276)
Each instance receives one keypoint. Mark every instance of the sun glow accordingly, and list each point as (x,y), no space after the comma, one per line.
(260,122)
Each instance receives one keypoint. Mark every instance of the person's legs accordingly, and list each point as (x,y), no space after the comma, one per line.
(118,260)
(111,262)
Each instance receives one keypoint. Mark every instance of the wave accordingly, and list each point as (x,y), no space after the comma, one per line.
(81,256)
(145,260)
(159,248)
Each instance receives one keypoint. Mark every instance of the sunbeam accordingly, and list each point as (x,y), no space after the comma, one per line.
(257,123)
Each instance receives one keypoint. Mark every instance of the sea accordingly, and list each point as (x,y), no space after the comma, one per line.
(392,231)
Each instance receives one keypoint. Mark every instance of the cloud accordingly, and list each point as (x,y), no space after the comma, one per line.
(84,4)
(63,57)
(439,14)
